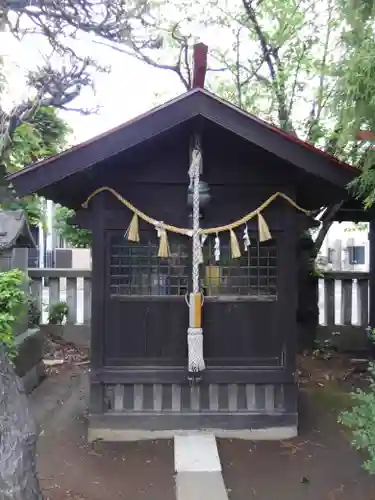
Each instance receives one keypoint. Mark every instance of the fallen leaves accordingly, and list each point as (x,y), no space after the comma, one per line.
(59,355)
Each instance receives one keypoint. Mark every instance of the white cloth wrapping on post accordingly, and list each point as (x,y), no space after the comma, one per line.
(195,350)
(194,181)
(195,335)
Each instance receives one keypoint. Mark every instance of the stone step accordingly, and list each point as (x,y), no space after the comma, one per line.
(198,468)
(200,486)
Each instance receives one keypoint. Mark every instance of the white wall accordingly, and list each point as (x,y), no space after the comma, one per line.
(81,258)
(339,237)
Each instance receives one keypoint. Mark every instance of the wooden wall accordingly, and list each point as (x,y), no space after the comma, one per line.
(145,331)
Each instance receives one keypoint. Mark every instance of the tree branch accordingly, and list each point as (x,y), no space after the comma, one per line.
(319,102)
(296,74)
(53,88)
(239,85)
(327,221)
(272,59)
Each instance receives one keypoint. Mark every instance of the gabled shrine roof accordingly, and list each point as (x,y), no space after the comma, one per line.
(195,103)
(15,230)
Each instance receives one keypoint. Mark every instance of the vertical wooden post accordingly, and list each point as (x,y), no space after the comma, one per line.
(287,290)
(98,292)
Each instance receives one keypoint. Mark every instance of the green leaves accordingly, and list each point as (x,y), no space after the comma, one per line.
(43,136)
(360,419)
(72,234)
(58,313)
(12,299)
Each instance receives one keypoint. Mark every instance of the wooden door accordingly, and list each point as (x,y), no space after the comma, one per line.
(241,311)
(146,313)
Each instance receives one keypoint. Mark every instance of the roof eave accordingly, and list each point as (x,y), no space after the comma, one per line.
(162,119)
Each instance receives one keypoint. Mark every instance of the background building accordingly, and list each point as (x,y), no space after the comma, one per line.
(346,248)
(53,251)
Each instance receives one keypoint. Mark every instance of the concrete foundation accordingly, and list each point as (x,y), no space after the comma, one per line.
(116,435)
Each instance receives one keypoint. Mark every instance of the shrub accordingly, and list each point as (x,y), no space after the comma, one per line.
(58,313)
(34,313)
(12,299)
(360,419)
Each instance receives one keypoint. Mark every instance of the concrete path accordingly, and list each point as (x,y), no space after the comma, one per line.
(198,468)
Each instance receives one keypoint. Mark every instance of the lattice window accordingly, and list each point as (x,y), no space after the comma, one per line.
(136,269)
(253,274)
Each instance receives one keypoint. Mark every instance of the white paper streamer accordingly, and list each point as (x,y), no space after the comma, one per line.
(159,226)
(246,238)
(203,239)
(217,248)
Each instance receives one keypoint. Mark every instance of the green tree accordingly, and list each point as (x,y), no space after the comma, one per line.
(355,94)
(45,134)
(71,233)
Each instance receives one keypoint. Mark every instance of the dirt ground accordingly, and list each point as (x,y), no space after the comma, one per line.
(318,465)
(71,469)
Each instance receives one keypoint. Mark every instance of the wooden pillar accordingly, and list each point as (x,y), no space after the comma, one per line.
(372,272)
(288,288)
(97,302)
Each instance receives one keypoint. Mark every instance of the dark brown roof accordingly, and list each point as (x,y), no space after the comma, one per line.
(197,102)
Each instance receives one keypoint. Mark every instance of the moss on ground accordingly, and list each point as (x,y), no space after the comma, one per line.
(330,398)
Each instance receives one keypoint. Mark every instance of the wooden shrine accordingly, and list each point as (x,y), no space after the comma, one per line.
(258,189)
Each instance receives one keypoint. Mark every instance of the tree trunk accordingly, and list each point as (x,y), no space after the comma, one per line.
(308,295)
(18,437)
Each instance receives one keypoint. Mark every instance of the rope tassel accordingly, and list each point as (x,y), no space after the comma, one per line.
(263,229)
(132,234)
(234,246)
(163,244)
(195,350)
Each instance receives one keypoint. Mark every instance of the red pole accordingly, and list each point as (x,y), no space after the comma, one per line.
(199,65)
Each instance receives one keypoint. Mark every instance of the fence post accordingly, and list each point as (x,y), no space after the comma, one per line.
(54,291)
(86,300)
(346,301)
(363,302)
(329,301)
(36,290)
(71,300)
